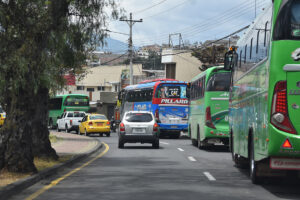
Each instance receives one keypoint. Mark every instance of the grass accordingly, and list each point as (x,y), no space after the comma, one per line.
(7,178)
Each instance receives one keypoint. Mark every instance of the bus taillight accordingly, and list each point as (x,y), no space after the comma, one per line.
(208,120)
(279,116)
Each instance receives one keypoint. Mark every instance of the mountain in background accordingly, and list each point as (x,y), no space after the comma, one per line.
(114,46)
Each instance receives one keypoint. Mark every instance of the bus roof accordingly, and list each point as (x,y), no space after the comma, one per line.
(208,71)
(71,95)
(151,85)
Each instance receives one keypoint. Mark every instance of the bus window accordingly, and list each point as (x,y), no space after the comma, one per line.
(55,104)
(76,101)
(288,22)
(219,82)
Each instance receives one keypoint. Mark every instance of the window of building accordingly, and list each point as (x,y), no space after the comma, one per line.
(80,87)
(101,88)
(90,89)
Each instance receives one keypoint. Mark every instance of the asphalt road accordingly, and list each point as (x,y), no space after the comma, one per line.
(177,170)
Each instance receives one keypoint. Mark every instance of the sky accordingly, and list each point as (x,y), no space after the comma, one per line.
(196,20)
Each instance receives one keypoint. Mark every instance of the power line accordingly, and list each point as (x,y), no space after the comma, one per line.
(205,25)
(150,7)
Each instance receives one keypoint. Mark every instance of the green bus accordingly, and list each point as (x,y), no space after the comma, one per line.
(264,104)
(68,102)
(208,113)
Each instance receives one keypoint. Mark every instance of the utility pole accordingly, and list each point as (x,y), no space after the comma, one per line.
(131,22)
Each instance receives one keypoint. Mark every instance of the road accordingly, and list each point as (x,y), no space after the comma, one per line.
(177,170)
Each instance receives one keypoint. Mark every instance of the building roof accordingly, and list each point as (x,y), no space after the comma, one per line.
(104,75)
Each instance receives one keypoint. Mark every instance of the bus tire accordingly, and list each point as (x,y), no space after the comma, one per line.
(253,164)
(199,143)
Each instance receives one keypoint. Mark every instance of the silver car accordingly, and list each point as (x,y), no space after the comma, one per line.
(139,126)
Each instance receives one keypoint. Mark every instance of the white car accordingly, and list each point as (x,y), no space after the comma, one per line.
(139,126)
(69,121)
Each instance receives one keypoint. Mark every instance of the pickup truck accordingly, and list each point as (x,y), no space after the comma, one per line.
(69,121)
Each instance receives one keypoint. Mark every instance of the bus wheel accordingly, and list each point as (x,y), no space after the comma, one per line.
(253,165)
(199,142)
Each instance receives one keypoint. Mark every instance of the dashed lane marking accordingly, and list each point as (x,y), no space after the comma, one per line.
(192,159)
(180,149)
(209,176)
(164,143)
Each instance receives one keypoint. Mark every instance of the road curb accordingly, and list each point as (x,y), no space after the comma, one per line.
(16,187)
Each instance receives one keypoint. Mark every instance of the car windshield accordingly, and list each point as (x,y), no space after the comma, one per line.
(95,117)
(139,117)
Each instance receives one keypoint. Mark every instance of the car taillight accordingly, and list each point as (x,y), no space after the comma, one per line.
(65,110)
(156,114)
(122,127)
(90,123)
(155,127)
(71,122)
(107,123)
(208,121)
(279,116)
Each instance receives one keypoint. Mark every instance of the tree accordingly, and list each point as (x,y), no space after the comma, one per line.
(210,56)
(39,42)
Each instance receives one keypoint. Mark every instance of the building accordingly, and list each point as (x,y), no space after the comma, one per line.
(102,85)
(180,64)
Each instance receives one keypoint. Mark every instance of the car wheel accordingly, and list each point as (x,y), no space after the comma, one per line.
(66,129)
(156,144)
(121,144)
(57,129)
(86,133)
(108,135)
(101,134)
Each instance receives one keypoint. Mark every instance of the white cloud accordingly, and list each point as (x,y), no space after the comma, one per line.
(195,19)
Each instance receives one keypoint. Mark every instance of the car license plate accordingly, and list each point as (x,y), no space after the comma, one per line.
(174,126)
(138,130)
(99,124)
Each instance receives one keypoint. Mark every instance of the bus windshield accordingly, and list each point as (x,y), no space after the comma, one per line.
(288,22)
(219,82)
(76,101)
(171,91)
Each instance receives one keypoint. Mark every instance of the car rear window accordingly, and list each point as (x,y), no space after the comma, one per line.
(79,114)
(138,117)
(95,117)
(70,115)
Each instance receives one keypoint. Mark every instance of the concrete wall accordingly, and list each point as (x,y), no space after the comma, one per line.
(186,66)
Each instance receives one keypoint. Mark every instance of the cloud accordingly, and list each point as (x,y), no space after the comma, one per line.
(197,20)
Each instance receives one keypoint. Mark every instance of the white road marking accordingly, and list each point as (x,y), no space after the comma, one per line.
(192,159)
(209,176)
(164,143)
(180,149)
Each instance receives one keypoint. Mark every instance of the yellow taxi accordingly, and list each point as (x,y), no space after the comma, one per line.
(94,123)
(2,118)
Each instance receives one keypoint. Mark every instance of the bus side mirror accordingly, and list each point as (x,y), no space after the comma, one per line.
(230,61)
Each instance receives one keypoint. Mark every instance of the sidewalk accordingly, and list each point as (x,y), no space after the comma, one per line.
(79,147)
(73,144)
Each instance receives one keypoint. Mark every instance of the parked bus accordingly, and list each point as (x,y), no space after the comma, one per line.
(68,102)
(208,118)
(166,99)
(264,105)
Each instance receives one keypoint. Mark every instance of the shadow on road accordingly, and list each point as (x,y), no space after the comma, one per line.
(141,147)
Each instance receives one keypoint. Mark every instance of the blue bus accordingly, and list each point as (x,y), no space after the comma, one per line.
(165,98)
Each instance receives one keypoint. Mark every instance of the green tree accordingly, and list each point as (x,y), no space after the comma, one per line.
(41,40)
